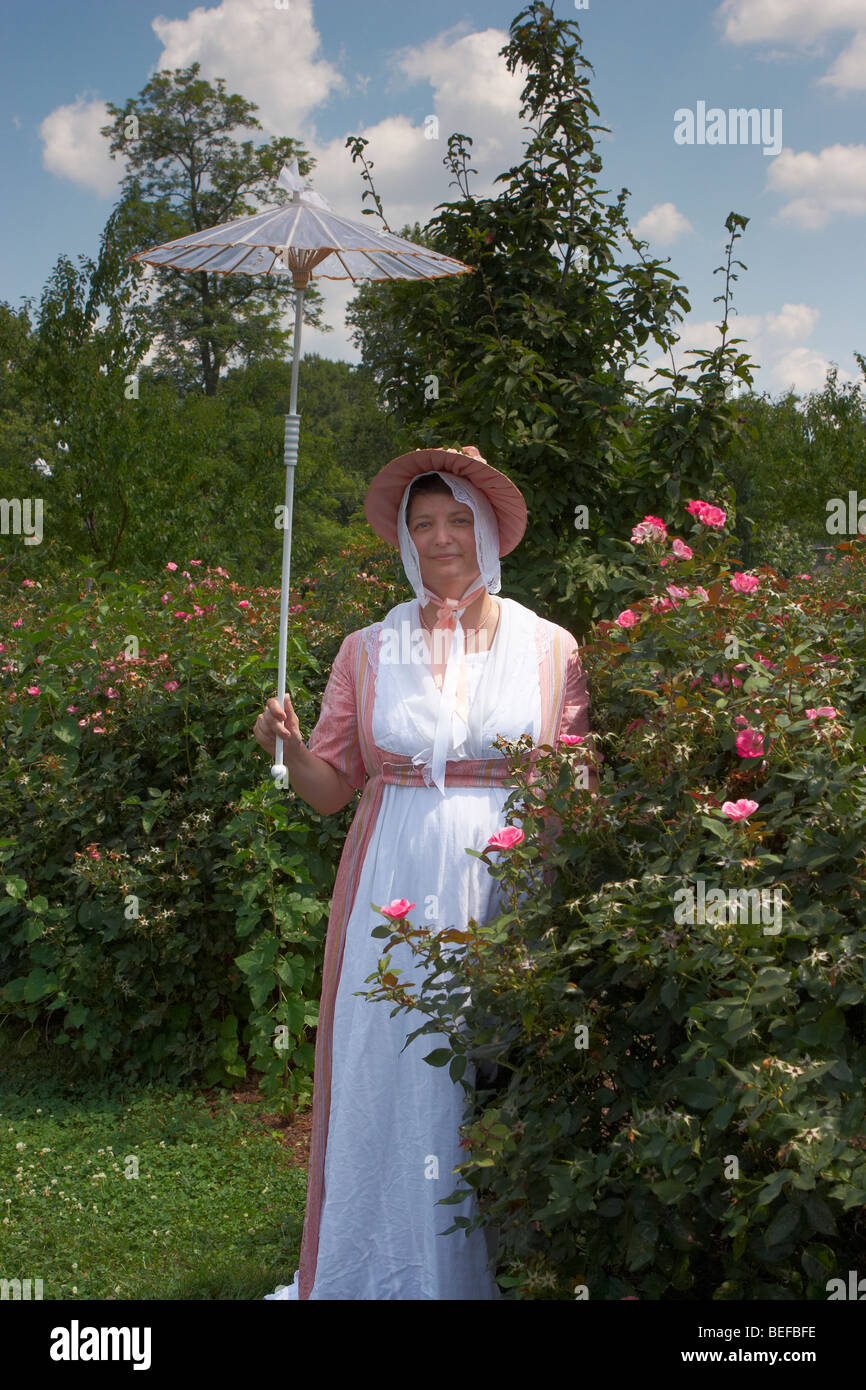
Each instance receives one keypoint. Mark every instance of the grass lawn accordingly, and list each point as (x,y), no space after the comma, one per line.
(215,1211)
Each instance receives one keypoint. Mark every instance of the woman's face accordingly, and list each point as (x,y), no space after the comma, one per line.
(443,531)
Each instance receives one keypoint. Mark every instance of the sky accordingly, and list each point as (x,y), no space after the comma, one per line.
(665,77)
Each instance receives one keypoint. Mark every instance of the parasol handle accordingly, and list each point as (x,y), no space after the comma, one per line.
(279,771)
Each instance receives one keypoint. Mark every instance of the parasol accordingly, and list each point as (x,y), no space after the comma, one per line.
(303,238)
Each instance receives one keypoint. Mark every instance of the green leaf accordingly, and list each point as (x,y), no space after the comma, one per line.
(67,733)
(773,1186)
(782,1227)
(669,1190)
(439,1056)
(700,1095)
(457,1067)
(819,1214)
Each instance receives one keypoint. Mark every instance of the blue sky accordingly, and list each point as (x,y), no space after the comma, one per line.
(320,70)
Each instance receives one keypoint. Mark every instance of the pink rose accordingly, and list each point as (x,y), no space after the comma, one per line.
(398,907)
(507,838)
(744,583)
(823,712)
(707,513)
(571,738)
(244,603)
(750,744)
(626,618)
(702,593)
(652,528)
(681,550)
(33,690)
(169,685)
(28,583)
(171,565)
(676,591)
(739,810)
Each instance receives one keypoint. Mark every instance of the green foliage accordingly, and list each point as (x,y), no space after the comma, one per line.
(142,469)
(704,1137)
(794,456)
(164,905)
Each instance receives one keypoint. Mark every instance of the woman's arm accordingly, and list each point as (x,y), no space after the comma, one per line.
(314,779)
(322,786)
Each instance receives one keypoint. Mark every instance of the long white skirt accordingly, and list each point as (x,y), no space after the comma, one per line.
(393,1138)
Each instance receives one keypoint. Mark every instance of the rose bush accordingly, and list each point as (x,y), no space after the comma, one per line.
(163,905)
(680,1111)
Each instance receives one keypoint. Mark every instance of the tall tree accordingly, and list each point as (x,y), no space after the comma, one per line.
(186,171)
(527,357)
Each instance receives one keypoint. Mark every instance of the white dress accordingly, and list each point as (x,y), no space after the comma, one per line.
(393,1138)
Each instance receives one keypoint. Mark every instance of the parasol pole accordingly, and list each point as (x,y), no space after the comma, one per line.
(300,276)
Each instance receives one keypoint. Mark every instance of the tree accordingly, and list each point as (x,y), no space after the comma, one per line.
(800,453)
(186,171)
(20,440)
(527,357)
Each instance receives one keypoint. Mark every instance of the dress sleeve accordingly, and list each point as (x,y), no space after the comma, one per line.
(574,718)
(335,737)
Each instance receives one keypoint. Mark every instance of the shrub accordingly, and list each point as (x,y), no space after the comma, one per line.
(683,1108)
(164,905)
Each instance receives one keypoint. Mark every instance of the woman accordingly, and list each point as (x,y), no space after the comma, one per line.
(415,707)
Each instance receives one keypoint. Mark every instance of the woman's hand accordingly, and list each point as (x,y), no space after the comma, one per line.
(272,722)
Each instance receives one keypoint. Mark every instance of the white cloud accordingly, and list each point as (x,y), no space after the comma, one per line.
(663,223)
(467,75)
(73,148)
(795,21)
(802,24)
(819,185)
(774,341)
(803,369)
(848,73)
(266,54)
(793,321)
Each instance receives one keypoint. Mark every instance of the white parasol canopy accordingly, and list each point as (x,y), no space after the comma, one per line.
(305,238)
